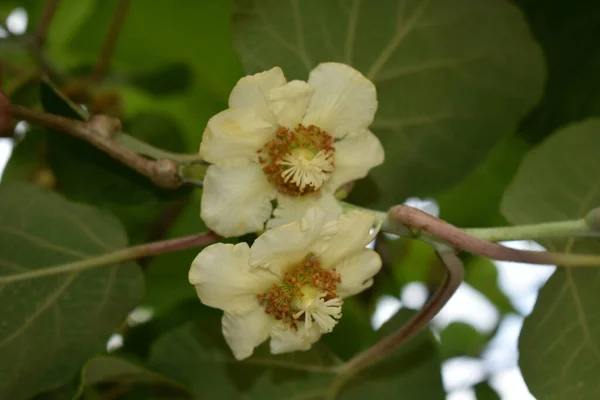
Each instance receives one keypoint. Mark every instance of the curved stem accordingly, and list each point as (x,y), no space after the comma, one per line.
(453,279)
(408,221)
(129,253)
(439,230)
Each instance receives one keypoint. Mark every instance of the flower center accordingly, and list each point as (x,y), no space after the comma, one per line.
(298,161)
(308,290)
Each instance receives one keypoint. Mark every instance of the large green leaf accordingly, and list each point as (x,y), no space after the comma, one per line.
(110,369)
(196,354)
(560,342)
(452,76)
(567,33)
(476,200)
(52,324)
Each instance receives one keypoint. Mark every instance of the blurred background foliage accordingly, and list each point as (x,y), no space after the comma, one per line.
(472,95)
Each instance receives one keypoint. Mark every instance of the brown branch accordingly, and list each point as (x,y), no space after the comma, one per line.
(110,43)
(118,256)
(98,131)
(48,14)
(453,279)
(460,240)
(170,245)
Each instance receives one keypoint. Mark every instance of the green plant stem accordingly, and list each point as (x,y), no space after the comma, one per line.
(129,253)
(577,227)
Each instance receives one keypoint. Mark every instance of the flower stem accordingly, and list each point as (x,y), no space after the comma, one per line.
(577,227)
(130,253)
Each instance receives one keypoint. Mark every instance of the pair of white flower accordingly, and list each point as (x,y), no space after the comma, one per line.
(295,143)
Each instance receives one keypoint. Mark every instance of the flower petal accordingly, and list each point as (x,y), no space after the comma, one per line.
(344,100)
(287,245)
(289,102)
(356,272)
(223,278)
(354,233)
(233,137)
(251,92)
(236,200)
(244,332)
(290,209)
(354,156)
(284,339)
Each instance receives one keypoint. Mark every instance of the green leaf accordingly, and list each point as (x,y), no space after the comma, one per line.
(166,80)
(414,369)
(483,391)
(452,77)
(476,200)
(104,369)
(52,324)
(415,260)
(353,333)
(566,31)
(560,341)
(197,355)
(482,274)
(461,339)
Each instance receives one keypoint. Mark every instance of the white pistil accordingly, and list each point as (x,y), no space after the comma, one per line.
(305,169)
(324,313)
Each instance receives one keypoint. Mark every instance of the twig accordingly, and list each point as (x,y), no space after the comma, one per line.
(130,253)
(98,131)
(45,20)
(110,43)
(406,216)
(453,279)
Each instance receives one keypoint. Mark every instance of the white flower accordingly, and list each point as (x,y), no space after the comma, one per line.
(294,142)
(290,284)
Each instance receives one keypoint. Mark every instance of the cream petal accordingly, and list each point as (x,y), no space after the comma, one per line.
(284,339)
(289,102)
(251,92)
(354,156)
(223,278)
(357,271)
(245,332)
(291,209)
(287,245)
(233,137)
(236,200)
(344,100)
(354,233)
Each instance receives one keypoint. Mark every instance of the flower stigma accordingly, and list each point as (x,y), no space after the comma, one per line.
(309,290)
(298,161)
